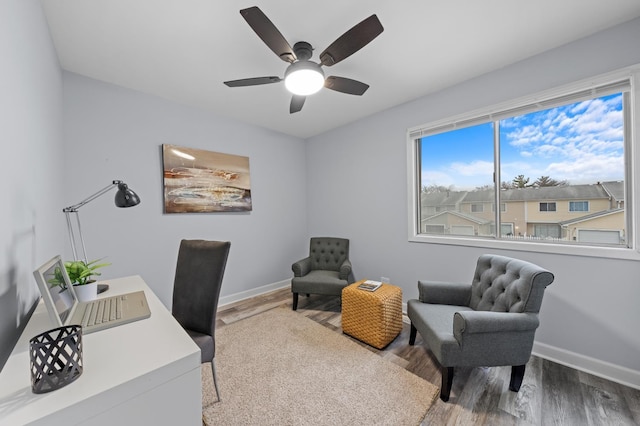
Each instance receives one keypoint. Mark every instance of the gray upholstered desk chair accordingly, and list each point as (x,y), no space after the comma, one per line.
(196,290)
(489,322)
(327,269)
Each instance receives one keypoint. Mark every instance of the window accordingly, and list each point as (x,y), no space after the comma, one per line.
(507,229)
(578,206)
(546,231)
(547,207)
(531,160)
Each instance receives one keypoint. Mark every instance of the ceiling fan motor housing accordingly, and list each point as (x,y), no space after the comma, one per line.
(303,50)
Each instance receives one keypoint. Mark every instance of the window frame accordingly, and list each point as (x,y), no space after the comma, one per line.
(573,203)
(632,166)
(477,207)
(548,204)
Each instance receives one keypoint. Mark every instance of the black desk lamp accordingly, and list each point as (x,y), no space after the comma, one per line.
(125,197)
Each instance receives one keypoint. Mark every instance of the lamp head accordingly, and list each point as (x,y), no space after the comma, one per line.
(125,197)
(304,78)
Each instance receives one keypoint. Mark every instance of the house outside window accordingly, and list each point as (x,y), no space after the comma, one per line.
(530,159)
(434,229)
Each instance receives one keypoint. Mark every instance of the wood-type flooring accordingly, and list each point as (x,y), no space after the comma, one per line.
(551,394)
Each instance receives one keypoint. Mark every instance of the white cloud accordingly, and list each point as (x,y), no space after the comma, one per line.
(431,177)
(580,143)
(589,169)
(583,141)
(475,168)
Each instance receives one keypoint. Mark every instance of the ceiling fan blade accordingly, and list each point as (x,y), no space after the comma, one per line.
(297,102)
(253,81)
(352,41)
(268,32)
(345,85)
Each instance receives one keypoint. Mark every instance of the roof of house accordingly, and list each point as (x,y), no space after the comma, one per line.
(590,216)
(615,189)
(603,190)
(448,198)
(468,217)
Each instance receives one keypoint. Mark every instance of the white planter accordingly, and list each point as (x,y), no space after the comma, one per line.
(62,299)
(86,292)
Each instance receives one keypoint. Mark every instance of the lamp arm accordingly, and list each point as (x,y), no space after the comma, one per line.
(75,207)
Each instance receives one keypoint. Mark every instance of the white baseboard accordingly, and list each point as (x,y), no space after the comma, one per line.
(606,370)
(232,298)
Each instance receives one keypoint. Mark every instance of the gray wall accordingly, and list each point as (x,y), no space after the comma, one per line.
(30,137)
(592,307)
(115,133)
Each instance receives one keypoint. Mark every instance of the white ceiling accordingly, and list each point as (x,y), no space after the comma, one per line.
(183,50)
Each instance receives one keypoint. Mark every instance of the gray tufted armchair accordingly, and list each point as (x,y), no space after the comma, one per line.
(490,322)
(327,269)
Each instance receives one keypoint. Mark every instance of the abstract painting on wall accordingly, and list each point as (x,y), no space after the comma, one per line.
(199,181)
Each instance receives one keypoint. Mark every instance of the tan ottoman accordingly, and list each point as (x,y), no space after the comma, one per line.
(374,317)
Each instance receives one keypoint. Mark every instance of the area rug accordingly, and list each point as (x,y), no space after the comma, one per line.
(281,368)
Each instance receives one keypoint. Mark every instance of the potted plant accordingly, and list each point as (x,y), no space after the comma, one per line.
(81,274)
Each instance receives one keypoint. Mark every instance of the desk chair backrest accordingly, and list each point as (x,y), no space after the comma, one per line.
(198,279)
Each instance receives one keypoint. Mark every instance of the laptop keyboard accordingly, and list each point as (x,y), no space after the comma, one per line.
(103,310)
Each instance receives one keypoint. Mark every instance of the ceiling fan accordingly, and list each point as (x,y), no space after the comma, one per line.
(304,77)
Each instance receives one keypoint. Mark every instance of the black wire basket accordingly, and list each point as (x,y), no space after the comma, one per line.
(56,358)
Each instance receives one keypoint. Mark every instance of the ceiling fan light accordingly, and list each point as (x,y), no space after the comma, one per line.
(304,78)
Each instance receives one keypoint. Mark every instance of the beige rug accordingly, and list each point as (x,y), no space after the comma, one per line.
(281,368)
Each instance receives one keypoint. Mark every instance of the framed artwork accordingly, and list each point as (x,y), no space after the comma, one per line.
(199,181)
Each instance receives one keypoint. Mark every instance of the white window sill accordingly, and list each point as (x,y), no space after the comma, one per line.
(536,247)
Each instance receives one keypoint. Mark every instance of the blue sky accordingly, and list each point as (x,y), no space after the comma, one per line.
(579,143)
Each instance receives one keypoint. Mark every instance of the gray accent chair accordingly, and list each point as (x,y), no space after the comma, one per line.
(327,269)
(196,290)
(490,322)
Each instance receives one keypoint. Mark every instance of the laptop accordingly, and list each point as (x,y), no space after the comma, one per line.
(65,309)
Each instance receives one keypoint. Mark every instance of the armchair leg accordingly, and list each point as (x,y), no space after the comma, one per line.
(517,375)
(447,380)
(412,335)
(295,301)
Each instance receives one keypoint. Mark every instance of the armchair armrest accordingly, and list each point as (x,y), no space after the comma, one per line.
(345,270)
(444,293)
(475,322)
(302,267)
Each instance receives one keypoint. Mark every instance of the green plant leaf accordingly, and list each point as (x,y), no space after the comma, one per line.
(80,272)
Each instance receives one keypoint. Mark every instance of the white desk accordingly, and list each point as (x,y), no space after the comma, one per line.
(145,372)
